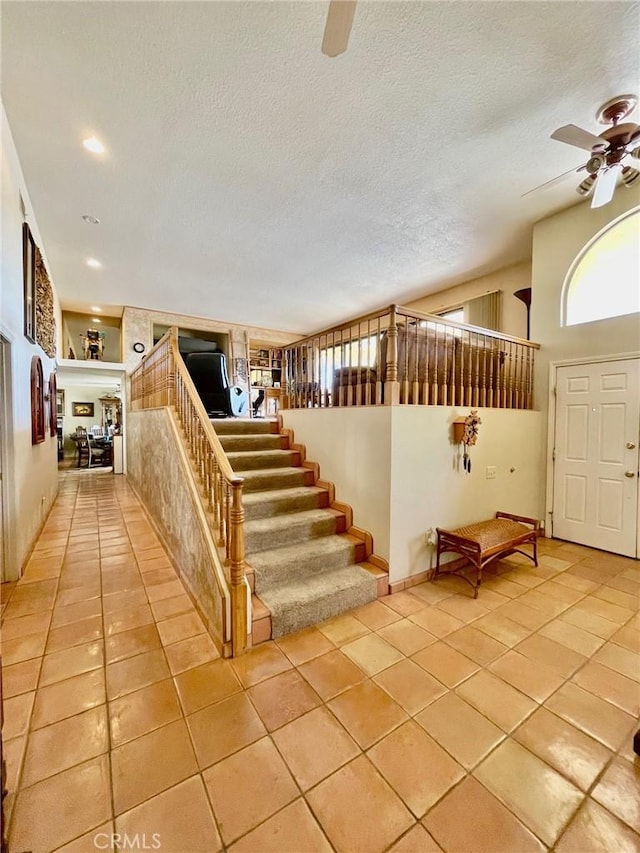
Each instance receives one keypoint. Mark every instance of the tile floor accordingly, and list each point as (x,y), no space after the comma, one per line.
(425,721)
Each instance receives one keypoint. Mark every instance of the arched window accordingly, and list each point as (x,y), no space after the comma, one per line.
(604,280)
(37,401)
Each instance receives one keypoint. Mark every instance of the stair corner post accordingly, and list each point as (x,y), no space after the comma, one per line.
(236,570)
(391,384)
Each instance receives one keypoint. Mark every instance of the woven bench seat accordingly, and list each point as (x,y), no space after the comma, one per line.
(485,541)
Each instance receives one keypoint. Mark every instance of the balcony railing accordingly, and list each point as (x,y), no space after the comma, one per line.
(399,356)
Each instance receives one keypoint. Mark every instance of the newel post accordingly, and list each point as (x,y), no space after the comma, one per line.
(236,558)
(391,384)
(172,368)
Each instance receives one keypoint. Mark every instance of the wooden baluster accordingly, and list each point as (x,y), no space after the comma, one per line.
(494,358)
(238,585)
(391,384)
(415,385)
(476,386)
(445,377)
(380,367)
(435,388)
(226,488)
(468,388)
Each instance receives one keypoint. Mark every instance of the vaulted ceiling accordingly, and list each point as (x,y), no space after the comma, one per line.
(251,178)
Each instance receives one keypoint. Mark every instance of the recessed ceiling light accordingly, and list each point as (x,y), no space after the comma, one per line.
(93,263)
(92,220)
(94,145)
(95,320)
(96,309)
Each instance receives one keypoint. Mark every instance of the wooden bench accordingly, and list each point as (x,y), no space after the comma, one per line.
(486,541)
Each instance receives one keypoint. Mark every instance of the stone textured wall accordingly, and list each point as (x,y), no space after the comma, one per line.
(158,473)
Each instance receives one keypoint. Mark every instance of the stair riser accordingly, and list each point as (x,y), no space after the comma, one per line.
(240,426)
(270,509)
(268,577)
(249,443)
(286,480)
(253,462)
(317,611)
(292,535)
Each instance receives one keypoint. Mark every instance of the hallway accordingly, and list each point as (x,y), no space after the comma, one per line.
(421,722)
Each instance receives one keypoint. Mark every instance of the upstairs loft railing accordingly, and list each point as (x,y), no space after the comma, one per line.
(162,379)
(399,356)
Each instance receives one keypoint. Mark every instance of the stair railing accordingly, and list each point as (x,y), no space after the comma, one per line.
(160,380)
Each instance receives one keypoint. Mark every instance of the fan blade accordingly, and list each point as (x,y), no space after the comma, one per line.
(338,27)
(552,181)
(573,135)
(606,185)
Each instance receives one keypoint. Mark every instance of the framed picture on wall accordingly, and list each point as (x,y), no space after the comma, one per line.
(29,276)
(82,410)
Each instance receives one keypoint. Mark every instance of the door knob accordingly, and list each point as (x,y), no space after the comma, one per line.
(629,473)
(630,445)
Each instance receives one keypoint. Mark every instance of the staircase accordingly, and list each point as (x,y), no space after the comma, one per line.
(306,567)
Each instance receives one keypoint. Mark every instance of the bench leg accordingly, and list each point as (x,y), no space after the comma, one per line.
(476,589)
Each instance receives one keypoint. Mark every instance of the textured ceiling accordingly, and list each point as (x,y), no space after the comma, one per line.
(251,178)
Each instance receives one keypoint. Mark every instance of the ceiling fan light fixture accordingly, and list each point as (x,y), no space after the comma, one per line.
(595,163)
(630,176)
(585,187)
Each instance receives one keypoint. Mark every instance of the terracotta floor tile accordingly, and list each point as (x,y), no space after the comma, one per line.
(446,664)
(590,622)
(157,576)
(79,593)
(305,645)
(569,750)
(63,744)
(206,684)
(606,610)
(536,680)
(464,607)
(260,663)
(555,655)
(465,733)
(358,810)
(143,711)
(619,791)
(76,634)
(376,614)
(371,653)
(417,840)
(616,596)
(180,628)
(406,636)
(471,818)
(118,601)
(596,830)
(136,641)
(403,758)
(249,787)
(505,587)
(367,712)
(27,607)
(498,701)
(314,746)
(189,653)
(126,620)
(151,559)
(20,678)
(17,714)
(621,660)
(501,628)
(76,612)
(57,810)
(628,638)
(436,622)
(221,729)
(593,715)
(342,629)
(23,648)
(68,698)
(330,674)
(571,637)
(609,685)
(181,817)
(13,753)
(476,645)
(411,687)
(131,674)
(538,796)
(74,661)
(25,625)
(165,590)
(575,582)
(292,829)
(167,607)
(405,603)
(283,698)
(523,614)
(168,750)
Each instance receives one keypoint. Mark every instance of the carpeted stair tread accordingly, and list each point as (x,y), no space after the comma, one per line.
(309,601)
(304,559)
(241,426)
(267,533)
(250,442)
(241,461)
(276,478)
(272,502)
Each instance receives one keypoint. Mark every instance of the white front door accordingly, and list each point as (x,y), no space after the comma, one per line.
(597,433)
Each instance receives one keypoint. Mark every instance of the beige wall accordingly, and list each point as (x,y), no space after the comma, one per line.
(512,311)
(30,472)
(400,472)
(158,471)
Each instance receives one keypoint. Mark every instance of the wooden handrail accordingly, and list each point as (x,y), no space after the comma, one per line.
(162,379)
(488,333)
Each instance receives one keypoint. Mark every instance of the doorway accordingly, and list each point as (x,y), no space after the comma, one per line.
(596,455)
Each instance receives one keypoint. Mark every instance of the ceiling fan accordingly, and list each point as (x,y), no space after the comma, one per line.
(338,27)
(608,150)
